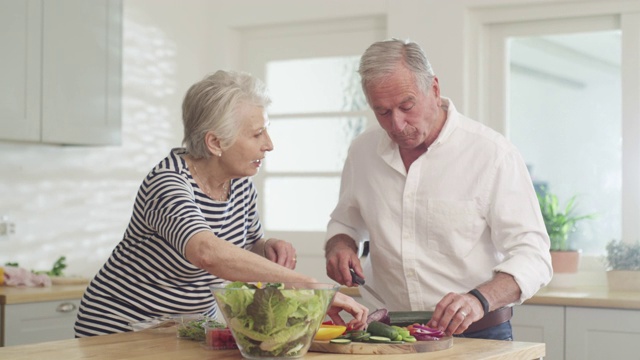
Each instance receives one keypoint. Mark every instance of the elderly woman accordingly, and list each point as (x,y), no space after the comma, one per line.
(195,221)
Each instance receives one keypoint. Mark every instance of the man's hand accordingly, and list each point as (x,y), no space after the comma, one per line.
(341,253)
(280,252)
(455,312)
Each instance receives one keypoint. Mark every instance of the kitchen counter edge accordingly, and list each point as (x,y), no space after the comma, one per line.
(21,294)
(597,297)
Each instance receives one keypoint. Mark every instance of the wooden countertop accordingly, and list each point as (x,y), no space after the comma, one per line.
(598,297)
(163,344)
(18,294)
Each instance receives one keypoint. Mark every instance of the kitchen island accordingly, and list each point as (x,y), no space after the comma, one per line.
(161,344)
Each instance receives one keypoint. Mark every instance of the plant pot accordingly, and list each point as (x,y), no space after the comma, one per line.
(623,280)
(565,262)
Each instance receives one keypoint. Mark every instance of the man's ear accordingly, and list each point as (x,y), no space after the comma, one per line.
(435,86)
(213,144)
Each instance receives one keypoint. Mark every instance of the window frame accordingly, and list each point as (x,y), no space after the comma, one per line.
(488,67)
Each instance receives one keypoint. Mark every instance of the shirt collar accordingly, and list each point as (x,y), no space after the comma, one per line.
(450,123)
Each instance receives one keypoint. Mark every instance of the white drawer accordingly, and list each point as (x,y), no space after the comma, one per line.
(38,322)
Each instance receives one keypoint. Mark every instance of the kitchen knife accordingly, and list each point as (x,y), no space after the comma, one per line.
(360,281)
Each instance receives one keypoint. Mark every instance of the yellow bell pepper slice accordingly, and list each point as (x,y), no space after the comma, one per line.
(328,332)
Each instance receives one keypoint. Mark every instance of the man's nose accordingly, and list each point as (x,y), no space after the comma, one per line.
(397,121)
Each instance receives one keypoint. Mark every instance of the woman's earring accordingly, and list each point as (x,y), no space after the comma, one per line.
(219,154)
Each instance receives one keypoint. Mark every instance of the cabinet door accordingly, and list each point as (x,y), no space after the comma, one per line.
(595,334)
(20,41)
(38,322)
(538,323)
(81,71)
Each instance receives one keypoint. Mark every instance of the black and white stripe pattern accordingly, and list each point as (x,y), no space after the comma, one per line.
(147,275)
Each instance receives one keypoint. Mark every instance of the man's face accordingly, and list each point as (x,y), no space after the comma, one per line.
(410,117)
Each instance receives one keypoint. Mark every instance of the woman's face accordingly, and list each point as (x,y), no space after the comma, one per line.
(245,155)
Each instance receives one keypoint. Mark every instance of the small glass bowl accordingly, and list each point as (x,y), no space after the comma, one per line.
(217,338)
(190,326)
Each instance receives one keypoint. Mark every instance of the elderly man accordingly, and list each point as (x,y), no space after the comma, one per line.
(447,205)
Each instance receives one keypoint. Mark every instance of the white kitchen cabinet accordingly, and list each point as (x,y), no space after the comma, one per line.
(29,323)
(60,72)
(585,333)
(540,323)
(595,334)
(20,75)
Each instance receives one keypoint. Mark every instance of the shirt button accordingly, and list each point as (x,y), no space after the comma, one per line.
(410,273)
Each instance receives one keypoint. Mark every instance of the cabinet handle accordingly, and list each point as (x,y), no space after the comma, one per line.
(66,307)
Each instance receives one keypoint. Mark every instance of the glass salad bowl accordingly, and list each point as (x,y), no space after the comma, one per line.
(274,320)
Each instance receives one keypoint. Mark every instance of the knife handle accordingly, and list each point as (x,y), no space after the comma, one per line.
(355,278)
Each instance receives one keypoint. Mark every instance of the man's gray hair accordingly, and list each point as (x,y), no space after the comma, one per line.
(382,58)
(213,103)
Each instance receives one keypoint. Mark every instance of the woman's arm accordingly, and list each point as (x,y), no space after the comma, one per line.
(225,260)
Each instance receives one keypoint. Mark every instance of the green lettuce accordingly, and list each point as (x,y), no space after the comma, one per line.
(273,321)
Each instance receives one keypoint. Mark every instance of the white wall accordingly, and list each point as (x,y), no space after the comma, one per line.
(76,201)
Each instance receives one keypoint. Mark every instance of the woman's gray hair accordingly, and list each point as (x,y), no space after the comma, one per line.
(381,59)
(213,103)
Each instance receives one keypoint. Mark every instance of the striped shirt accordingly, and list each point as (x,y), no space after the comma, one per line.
(147,274)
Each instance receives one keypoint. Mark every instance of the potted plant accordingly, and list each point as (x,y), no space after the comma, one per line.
(623,263)
(560,222)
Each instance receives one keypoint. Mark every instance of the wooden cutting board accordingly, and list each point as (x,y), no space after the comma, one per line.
(380,349)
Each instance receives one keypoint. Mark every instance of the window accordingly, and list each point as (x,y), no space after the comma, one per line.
(565,90)
(311,147)
(565,117)
(318,108)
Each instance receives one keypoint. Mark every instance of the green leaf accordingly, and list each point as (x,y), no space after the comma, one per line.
(271,310)
(58,267)
(559,223)
(237,301)
(623,256)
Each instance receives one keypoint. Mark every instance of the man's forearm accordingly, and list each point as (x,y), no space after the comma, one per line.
(502,290)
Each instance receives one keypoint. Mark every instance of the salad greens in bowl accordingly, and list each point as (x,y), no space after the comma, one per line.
(274,320)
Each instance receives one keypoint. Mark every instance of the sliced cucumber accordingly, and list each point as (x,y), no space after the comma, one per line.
(340,341)
(379,339)
(355,333)
(362,337)
(409,339)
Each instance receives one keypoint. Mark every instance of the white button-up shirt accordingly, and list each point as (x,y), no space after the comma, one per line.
(465,209)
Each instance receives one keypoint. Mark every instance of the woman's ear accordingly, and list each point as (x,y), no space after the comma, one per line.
(213,144)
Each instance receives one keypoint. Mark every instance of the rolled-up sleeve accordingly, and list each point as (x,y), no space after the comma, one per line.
(517,226)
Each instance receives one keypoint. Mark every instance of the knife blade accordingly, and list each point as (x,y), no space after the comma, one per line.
(360,281)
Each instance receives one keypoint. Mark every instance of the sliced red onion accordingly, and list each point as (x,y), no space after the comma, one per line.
(381,315)
(425,337)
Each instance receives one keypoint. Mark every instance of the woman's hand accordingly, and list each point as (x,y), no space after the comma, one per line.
(348,304)
(280,252)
